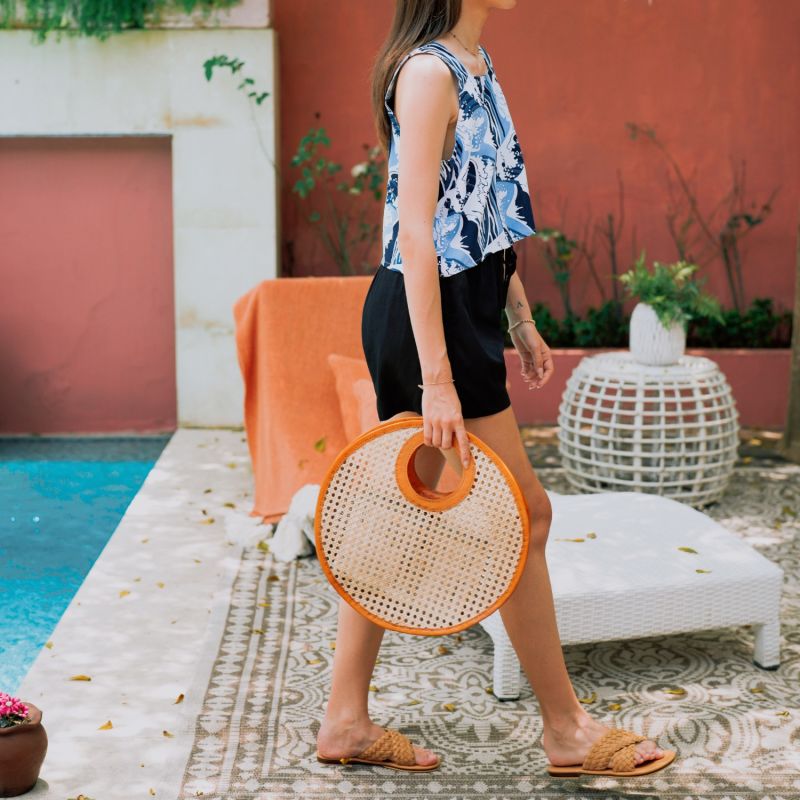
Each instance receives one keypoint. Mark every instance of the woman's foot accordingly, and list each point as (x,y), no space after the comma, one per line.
(339,739)
(565,745)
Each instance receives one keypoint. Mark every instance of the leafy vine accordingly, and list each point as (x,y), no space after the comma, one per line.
(98,18)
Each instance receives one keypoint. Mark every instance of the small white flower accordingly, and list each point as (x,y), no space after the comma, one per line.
(359,169)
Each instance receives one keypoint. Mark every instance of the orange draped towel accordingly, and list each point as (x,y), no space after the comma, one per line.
(285,329)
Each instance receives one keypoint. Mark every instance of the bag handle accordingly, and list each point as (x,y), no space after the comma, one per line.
(415,491)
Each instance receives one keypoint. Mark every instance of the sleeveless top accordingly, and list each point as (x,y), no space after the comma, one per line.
(484,203)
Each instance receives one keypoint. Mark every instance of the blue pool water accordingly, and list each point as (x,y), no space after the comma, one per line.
(60,501)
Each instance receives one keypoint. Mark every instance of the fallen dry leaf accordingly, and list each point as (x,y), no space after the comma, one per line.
(206,491)
(273,578)
(747,459)
(757,689)
(333,645)
(160,584)
(590,699)
(229,505)
(591,535)
(48,645)
(263,605)
(489,690)
(179,699)
(319,445)
(207,521)
(703,571)
(784,714)
(168,734)
(413,702)
(152,792)
(262,545)
(373,687)
(205,513)
(614,706)
(788,511)
(123,592)
(570,540)
(80,678)
(442,650)
(107,727)
(145,541)
(678,691)
(257,630)
(231,465)
(136,580)
(448,706)
(688,550)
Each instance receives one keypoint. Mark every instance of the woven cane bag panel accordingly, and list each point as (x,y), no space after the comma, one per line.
(411,568)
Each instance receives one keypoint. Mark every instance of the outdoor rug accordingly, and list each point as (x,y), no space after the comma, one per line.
(736,727)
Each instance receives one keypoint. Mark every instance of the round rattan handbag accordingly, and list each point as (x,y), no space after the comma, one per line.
(411,558)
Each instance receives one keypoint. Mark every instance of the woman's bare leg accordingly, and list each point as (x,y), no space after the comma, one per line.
(346,729)
(529,614)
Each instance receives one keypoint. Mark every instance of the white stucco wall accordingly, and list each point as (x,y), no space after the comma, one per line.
(223,149)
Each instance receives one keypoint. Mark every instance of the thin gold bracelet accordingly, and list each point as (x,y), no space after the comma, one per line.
(519,322)
(436,383)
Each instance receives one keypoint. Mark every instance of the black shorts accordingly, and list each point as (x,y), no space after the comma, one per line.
(472,304)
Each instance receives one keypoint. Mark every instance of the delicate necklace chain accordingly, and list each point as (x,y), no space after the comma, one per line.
(476,53)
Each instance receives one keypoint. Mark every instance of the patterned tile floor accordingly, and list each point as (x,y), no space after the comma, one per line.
(734,725)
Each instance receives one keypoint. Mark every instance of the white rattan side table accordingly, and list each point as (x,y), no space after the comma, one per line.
(670,430)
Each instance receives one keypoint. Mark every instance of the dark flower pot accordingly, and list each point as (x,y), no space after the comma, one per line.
(22,750)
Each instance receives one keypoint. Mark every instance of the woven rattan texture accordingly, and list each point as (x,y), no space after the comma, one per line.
(670,430)
(410,566)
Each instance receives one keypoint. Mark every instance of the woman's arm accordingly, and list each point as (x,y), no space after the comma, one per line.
(537,361)
(517,306)
(425,103)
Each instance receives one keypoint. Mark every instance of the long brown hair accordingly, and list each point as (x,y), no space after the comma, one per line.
(415,22)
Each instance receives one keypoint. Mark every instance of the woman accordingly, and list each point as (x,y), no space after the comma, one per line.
(432,335)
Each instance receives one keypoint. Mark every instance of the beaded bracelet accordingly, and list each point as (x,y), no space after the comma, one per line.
(436,383)
(519,322)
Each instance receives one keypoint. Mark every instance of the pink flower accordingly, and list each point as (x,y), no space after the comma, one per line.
(12,706)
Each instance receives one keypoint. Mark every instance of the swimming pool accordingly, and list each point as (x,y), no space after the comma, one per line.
(60,501)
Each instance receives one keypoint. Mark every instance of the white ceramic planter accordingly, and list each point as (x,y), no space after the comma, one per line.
(650,342)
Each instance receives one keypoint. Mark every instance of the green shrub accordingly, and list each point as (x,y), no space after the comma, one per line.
(759,326)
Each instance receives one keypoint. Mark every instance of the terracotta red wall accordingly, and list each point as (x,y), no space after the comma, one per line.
(716,78)
(87,340)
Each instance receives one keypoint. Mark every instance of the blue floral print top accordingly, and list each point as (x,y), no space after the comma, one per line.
(484,204)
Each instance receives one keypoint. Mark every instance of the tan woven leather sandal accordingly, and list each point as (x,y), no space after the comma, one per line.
(391,749)
(613,754)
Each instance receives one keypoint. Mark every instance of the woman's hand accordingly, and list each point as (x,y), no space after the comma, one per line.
(441,413)
(537,362)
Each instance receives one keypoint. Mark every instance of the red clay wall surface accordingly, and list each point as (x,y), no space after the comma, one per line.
(717,79)
(87,332)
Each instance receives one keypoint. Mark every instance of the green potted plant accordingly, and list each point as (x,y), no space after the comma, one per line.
(668,298)
(23,744)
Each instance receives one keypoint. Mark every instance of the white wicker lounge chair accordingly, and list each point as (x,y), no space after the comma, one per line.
(633,580)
